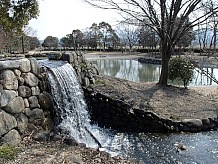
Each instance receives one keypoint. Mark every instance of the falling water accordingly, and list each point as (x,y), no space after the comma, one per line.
(69,102)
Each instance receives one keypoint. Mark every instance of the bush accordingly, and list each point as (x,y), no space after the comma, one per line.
(181,69)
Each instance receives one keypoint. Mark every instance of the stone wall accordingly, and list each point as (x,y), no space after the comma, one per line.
(23,103)
(116,114)
(85,70)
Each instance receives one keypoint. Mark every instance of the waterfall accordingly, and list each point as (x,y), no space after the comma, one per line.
(69,102)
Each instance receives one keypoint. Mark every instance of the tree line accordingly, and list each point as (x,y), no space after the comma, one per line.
(103,36)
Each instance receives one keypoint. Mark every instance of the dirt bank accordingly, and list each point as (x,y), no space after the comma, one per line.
(169,101)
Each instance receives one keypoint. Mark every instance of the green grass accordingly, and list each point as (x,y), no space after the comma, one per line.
(99,81)
(8,152)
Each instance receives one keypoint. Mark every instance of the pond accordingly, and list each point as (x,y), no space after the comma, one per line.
(152,148)
(200,148)
(135,71)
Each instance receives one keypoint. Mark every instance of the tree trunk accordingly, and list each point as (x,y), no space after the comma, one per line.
(214,31)
(104,46)
(166,53)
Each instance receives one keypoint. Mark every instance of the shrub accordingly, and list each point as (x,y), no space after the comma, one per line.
(181,69)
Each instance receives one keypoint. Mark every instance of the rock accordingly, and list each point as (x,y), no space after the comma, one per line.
(42,136)
(1,87)
(86,81)
(95,69)
(6,96)
(12,138)
(71,158)
(56,137)
(70,141)
(32,127)
(9,64)
(22,122)
(54,55)
(49,124)
(45,101)
(9,80)
(26,103)
(192,123)
(33,101)
(169,122)
(27,111)
(15,106)
(37,117)
(20,80)
(79,78)
(34,65)
(24,65)
(35,91)
(24,91)
(7,122)
(30,79)
(206,121)
(92,80)
(17,72)
(67,56)
(157,125)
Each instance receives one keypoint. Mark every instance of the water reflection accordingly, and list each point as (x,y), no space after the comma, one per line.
(134,71)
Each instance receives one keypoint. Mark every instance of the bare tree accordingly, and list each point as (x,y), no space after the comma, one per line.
(161,16)
(148,38)
(128,35)
(212,22)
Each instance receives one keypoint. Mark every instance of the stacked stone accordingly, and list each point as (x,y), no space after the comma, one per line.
(85,70)
(113,113)
(22,103)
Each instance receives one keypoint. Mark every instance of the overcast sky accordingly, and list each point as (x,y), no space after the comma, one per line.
(59,17)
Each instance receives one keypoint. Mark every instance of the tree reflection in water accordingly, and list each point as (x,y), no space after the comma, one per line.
(134,71)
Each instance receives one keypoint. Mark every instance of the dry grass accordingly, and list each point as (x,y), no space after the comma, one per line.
(169,101)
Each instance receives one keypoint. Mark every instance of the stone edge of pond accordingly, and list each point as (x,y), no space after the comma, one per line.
(116,114)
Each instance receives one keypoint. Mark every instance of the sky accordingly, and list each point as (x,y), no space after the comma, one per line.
(60,17)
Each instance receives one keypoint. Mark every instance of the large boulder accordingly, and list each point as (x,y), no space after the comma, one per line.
(34,66)
(9,64)
(30,79)
(6,96)
(24,91)
(9,80)
(24,65)
(45,101)
(12,138)
(7,122)
(22,122)
(37,117)
(33,102)
(15,106)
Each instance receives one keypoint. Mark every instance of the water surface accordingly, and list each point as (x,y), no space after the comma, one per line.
(135,71)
